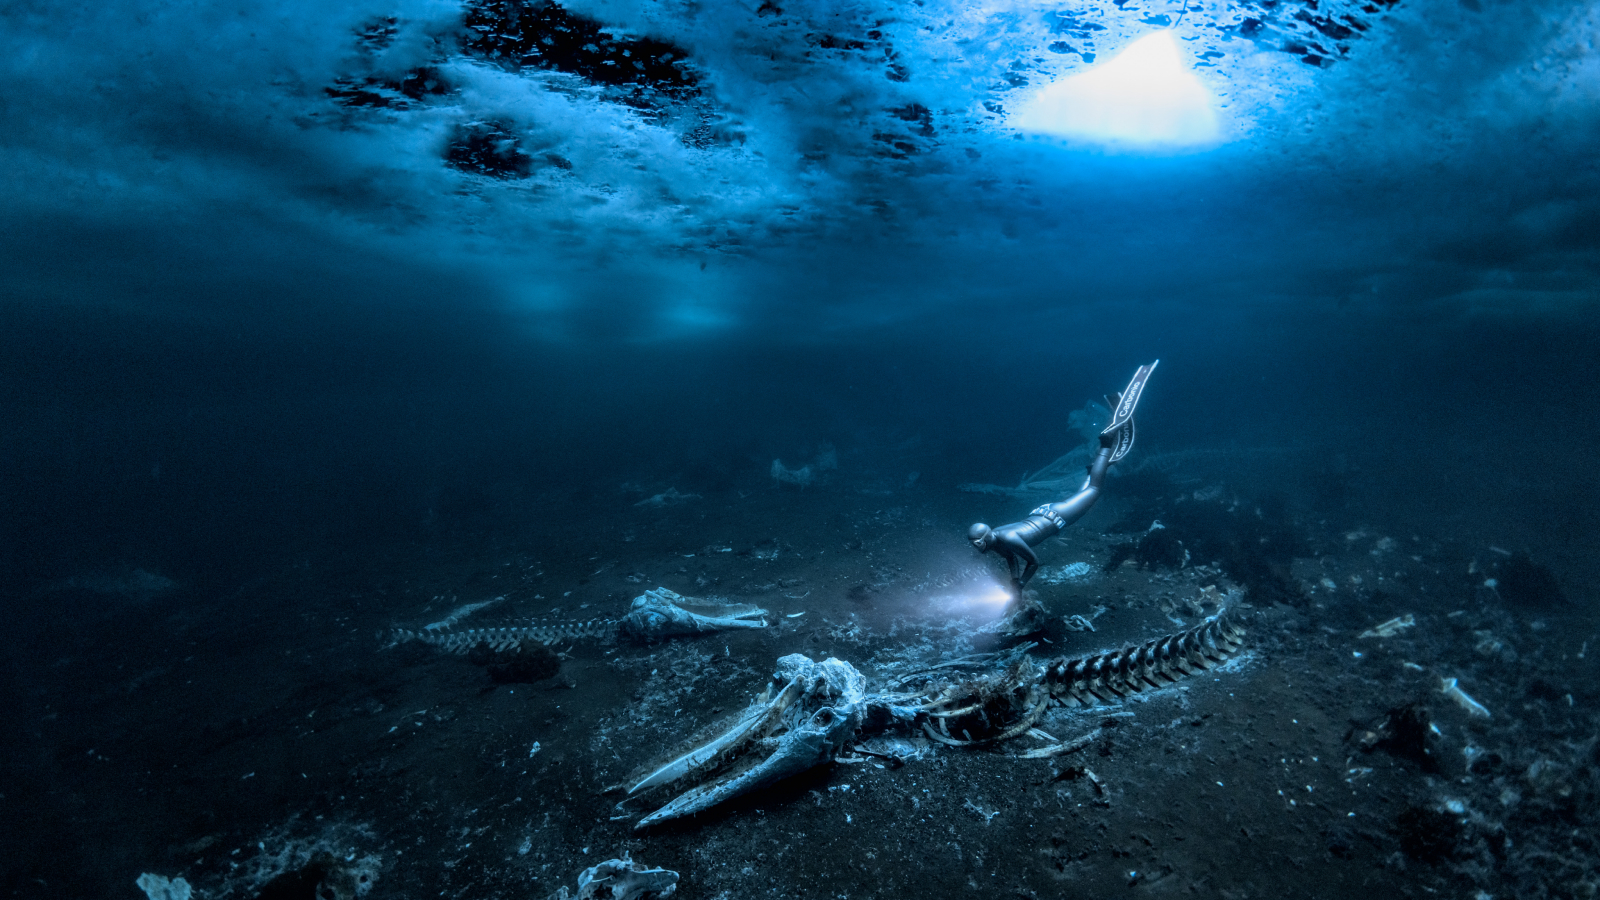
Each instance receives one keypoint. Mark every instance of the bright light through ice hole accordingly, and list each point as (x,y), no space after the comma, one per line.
(1145,96)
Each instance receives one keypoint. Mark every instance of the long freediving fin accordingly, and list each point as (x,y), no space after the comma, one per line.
(1118,435)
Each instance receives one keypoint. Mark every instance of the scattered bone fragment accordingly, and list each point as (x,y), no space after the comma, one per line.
(1406,732)
(1061,748)
(668,497)
(622,879)
(1491,645)
(1067,574)
(159,887)
(1390,628)
(459,613)
(801,477)
(1080,623)
(893,750)
(1451,689)
(1099,786)
(826,460)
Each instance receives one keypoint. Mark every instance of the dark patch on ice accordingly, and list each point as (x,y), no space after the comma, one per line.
(488,148)
(916,112)
(1071,25)
(545,35)
(1329,28)
(378,34)
(415,86)
(644,73)
(1296,28)
(899,146)
(834,42)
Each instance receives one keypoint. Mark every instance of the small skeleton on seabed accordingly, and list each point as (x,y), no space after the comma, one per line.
(655,614)
(1016,541)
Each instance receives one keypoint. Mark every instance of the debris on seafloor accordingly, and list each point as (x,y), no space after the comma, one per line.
(1061,748)
(159,887)
(1406,732)
(324,876)
(668,497)
(138,585)
(826,460)
(1073,773)
(654,614)
(1078,622)
(1073,572)
(1390,628)
(621,879)
(1450,688)
(801,477)
(1492,645)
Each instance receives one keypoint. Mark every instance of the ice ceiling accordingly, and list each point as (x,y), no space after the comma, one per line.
(660,168)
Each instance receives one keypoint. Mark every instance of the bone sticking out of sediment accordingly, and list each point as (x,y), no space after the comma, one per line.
(753,725)
(1064,747)
(1451,689)
(459,613)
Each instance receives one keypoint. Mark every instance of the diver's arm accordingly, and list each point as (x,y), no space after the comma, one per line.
(1017,550)
(1032,567)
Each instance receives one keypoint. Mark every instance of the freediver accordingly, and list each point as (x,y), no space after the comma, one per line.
(1016,541)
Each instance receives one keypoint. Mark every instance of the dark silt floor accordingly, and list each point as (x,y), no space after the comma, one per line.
(230,739)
